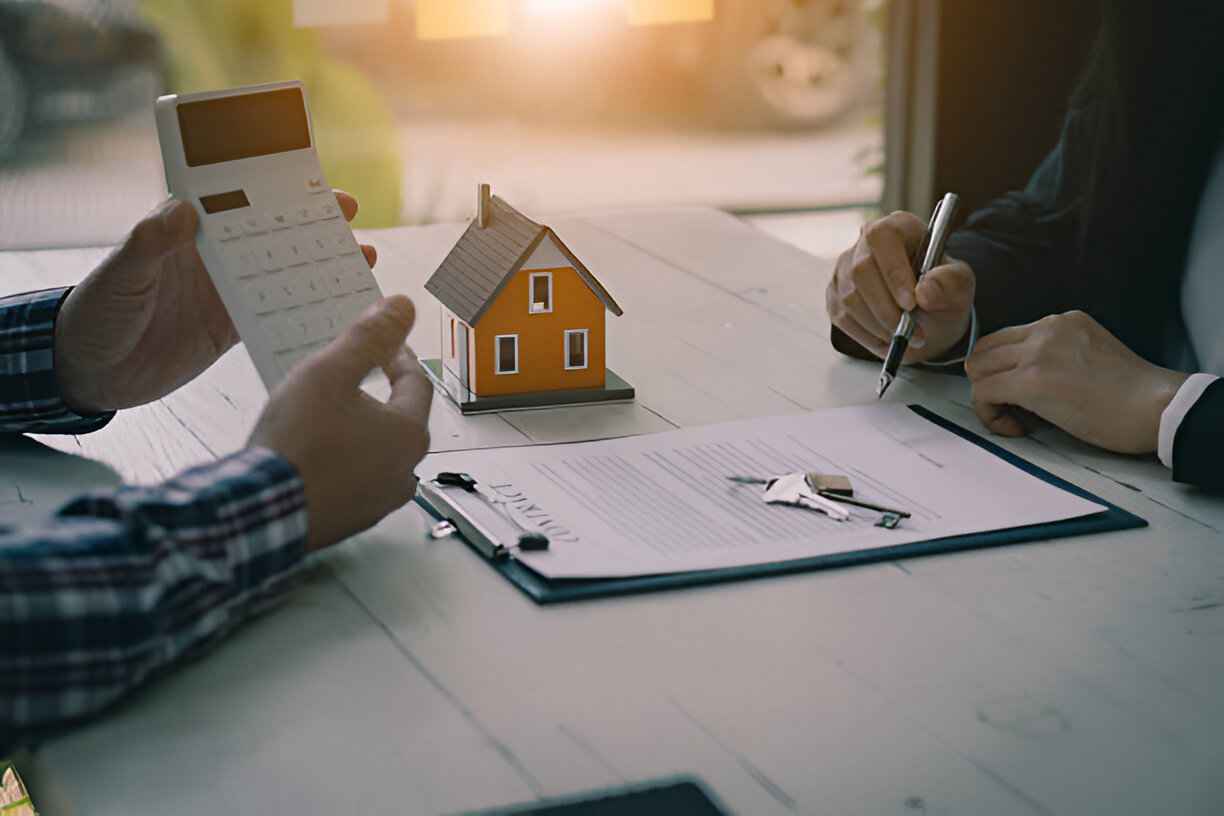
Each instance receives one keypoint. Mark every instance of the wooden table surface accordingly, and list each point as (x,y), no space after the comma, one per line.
(405,676)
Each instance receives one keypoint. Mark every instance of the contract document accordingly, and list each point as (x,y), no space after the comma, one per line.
(662,503)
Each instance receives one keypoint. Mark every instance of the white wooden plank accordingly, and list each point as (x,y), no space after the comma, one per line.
(551,425)
(145,445)
(35,480)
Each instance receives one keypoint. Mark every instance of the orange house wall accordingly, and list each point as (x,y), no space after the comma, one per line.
(541,337)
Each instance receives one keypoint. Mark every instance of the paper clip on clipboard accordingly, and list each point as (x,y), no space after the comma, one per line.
(458,520)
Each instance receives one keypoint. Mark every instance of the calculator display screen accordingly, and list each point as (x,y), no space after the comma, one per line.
(222,202)
(243,126)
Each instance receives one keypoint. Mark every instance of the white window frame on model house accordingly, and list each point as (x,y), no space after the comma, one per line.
(586,349)
(531,301)
(497,357)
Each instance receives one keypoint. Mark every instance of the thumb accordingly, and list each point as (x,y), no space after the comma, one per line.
(411,390)
(372,342)
(168,228)
(948,288)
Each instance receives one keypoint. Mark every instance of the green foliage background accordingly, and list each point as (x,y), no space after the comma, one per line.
(213,44)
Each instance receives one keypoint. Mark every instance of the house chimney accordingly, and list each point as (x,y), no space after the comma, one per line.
(484,205)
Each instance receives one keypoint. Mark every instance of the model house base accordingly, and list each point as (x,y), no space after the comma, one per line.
(614,389)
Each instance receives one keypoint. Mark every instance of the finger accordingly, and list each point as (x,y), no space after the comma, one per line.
(370,253)
(995,402)
(371,342)
(1027,420)
(1016,386)
(919,338)
(862,336)
(946,288)
(892,240)
(411,389)
(1004,337)
(348,205)
(845,299)
(999,419)
(983,363)
(875,294)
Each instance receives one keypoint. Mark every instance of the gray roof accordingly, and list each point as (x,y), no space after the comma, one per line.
(484,259)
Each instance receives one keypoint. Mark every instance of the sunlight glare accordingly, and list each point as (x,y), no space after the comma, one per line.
(447,19)
(655,12)
(554,7)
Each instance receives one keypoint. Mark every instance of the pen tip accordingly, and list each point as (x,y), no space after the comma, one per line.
(885,381)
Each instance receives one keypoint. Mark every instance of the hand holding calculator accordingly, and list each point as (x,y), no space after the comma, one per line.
(276,246)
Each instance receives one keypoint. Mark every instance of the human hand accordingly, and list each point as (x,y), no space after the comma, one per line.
(355,454)
(873,283)
(1070,371)
(147,319)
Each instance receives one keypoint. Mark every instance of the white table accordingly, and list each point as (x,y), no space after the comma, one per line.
(1069,676)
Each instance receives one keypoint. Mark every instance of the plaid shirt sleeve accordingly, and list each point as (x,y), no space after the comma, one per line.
(30,400)
(120,584)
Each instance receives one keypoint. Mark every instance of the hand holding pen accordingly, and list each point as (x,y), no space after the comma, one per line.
(874,283)
(929,254)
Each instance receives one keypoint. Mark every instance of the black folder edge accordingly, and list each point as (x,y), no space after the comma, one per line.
(649,798)
(544,590)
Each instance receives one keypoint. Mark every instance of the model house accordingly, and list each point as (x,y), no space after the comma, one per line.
(523,319)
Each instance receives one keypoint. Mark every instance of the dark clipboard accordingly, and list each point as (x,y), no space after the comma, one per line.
(672,796)
(549,591)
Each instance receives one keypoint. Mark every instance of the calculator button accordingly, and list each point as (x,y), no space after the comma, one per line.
(239,261)
(302,215)
(357,303)
(314,287)
(279,332)
(328,209)
(280,243)
(291,289)
(254,224)
(268,255)
(333,280)
(280,220)
(320,323)
(348,309)
(342,240)
(333,326)
(316,185)
(318,245)
(295,322)
(245,265)
(297,251)
(260,294)
(356,272)
(224,229)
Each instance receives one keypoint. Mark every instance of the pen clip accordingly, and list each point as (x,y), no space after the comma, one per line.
(920,253)
(937,233)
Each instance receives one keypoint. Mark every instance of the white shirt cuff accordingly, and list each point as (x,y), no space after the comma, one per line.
(1175,412)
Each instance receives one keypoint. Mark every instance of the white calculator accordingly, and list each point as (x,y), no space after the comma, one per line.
(273,238)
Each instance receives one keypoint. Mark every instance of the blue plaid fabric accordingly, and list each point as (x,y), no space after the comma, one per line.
(120,584)
(30,400)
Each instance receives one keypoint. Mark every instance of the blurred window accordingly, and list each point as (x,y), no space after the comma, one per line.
(748,105)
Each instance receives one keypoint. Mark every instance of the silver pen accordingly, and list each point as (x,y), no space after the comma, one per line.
(930,254)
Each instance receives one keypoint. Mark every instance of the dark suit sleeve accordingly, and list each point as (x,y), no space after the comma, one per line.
(1023,247)
(1199,445)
